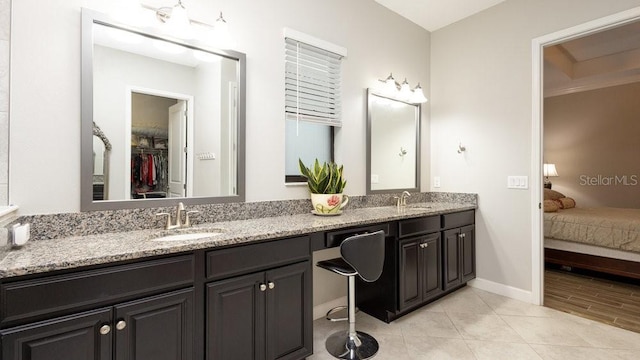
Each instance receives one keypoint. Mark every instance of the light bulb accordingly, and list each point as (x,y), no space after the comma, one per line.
(418,96)
(178,24)
(405,91)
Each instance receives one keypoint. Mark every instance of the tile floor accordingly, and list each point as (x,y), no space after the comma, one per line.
(478,325)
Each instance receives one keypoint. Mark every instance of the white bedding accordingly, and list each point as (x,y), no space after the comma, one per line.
(608,227)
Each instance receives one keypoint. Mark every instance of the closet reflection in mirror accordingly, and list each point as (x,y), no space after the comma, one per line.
(173,113)
(393,145)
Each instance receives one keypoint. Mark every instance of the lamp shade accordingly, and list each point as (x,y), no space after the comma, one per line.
(549,170)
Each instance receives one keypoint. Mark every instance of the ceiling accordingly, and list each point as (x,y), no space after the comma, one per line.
(603,59)
(434,14)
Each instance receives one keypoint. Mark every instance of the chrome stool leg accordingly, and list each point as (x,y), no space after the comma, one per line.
(352,344)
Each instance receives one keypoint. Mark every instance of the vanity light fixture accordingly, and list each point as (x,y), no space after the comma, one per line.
(402,91)
(175,21)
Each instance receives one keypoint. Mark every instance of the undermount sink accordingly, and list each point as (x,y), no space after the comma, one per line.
(185,234)
(418,208)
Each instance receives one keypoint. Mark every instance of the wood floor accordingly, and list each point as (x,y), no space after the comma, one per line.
(608,301)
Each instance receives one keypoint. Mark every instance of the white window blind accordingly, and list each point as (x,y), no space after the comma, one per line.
(312,83)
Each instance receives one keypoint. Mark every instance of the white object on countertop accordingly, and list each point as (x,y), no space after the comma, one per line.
(20,234)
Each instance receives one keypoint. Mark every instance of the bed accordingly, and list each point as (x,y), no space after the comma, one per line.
(600,239)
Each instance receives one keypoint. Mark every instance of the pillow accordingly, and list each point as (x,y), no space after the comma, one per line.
(552,194)
(559,203)
(550,206)
(567,202)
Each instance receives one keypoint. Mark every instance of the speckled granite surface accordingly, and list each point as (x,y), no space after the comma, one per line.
(70,251)
(56,226)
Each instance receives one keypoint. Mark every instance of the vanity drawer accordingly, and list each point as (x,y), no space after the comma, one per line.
(256,257)
(418,226)
(458,219)
(35,298)
(335,238)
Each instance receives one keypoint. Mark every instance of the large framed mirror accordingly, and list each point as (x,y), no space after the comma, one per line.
(173,111)
(393,145)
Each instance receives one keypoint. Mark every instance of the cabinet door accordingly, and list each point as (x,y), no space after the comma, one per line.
(468,258)
(451,257)
(235,318)
(410,273)
(159,327)
(289,320)
(431,266)
(76,337)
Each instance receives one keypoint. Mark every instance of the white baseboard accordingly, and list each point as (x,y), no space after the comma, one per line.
(319,311)
(501,289)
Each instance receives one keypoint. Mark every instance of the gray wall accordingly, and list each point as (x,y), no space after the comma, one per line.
(378,42)
(481,88)
(592,137)
(5,11)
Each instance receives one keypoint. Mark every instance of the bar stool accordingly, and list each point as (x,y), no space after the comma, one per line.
(362,255)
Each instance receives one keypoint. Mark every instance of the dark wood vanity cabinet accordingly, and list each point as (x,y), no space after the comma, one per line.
(75,337)
(427,258)
(150,327)
(419,264)
(240,302)
(420,271)
(459,249)
(265,314)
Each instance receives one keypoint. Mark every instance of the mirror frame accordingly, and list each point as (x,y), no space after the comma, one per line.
(370,93)
(89,18)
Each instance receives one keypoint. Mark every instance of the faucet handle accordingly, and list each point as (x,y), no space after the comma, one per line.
(168,225)
(187,222)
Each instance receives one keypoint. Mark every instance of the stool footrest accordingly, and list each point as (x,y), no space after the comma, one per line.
(335,310)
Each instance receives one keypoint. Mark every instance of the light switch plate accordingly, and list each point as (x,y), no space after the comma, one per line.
(518,182)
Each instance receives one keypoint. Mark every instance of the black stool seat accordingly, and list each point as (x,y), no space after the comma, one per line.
(338,266)
(361,255)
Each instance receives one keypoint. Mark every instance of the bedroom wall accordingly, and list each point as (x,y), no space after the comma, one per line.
(482,97)
(592,137)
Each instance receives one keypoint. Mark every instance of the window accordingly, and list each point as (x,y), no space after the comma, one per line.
(312,100)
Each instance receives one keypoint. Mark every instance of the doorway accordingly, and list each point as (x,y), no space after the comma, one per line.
(159,127)
(539,44)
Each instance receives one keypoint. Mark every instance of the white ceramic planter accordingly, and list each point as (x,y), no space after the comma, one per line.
(328,204)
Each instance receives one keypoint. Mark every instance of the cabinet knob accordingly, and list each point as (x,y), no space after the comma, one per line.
(424,245)
(271,285)
(263,287)
(105,329)
(120,325)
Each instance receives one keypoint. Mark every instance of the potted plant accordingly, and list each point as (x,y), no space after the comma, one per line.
(326,184)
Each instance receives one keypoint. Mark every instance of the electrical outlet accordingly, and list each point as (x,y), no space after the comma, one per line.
(375,179)
(436,181)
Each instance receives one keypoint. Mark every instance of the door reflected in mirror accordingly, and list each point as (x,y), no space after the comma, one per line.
(174,113)
(393,145)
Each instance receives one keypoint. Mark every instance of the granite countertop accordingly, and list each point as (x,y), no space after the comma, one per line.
(71,252)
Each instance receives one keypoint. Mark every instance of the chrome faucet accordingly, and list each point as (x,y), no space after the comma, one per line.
(178,222)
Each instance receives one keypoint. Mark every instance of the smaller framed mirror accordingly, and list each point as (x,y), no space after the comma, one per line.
(393,145)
